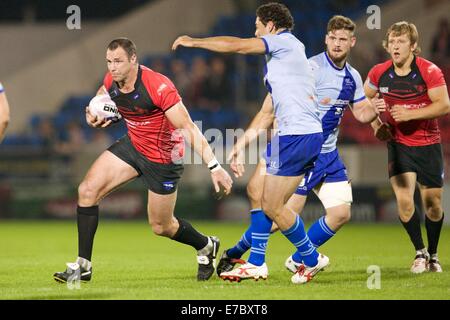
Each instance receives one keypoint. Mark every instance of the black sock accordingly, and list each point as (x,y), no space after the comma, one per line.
(87,219)
(414,232)
(188,235)
(433,233)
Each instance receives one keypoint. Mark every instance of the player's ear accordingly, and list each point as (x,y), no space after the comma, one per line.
(353,41)
(270,26)
(414,47)
(133,58)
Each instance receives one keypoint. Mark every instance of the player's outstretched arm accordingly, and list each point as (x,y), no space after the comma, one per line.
(260,123)
(180,119)
(4,113)
(222,44)
(440,106)
(94,121)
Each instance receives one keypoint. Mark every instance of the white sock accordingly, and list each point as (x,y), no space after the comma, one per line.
(422,251)
(84,263)
(206,249)
(434,256)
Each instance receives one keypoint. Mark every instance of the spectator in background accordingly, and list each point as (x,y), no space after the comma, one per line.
(217,85)
(199,74)
(440,47)
(158,65)
(47,136)
(74,140)
(180,76)
(4,112)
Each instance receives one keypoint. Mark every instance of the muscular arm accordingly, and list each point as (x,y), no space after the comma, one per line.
(381,130)
(440,105)
(262,121)
(370,94)
(223,44)
(4,114)
(364,111)
(180,119)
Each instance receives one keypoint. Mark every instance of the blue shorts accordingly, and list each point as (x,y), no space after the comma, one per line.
(329,168)
(293,155)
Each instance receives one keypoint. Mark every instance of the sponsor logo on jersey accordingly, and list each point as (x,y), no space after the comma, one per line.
(349,82)
(338,111)
(161,88)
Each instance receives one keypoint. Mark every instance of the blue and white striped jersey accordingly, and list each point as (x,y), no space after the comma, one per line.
(336,89)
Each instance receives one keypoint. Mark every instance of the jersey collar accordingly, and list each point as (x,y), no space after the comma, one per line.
(284,31)
(332,63)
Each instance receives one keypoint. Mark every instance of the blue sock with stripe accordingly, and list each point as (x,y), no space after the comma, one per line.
(320,232)
(244,243)
(306,251)
(261,225)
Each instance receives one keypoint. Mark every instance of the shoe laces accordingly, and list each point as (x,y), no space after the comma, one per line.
(301,270)
(239,261)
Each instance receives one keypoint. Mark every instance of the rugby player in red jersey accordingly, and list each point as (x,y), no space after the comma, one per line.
(415,94)
(153,150)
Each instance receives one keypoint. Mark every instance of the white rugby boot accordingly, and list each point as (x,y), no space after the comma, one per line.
(305,274)
(246,271)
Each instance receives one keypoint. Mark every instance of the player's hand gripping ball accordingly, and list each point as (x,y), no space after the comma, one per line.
(103,107)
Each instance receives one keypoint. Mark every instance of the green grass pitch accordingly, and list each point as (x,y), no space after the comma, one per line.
(130,262)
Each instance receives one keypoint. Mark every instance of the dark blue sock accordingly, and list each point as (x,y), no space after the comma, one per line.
(261,225)
(305,249)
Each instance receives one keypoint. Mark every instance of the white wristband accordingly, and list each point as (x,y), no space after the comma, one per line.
(214,165)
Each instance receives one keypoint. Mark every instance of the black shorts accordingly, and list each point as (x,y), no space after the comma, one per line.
(426,161)
(157,177)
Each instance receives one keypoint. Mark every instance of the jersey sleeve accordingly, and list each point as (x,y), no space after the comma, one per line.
(1,88)
(374,77)
(315,67)
(359,88)
(107,81)
(433,76)
(162,91)
(273,43)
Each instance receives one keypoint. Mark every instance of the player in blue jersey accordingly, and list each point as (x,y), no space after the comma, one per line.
(338,85)
(298,139)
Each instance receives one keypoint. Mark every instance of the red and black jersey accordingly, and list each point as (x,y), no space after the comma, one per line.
(410,91)
(143,109)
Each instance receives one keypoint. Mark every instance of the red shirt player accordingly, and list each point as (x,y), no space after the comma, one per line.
(152,150)
(415,94)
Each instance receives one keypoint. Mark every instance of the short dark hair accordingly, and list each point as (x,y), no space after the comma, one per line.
(126,44)
(340,22)
(278,13)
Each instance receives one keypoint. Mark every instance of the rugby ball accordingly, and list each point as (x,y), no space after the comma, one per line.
(103,107)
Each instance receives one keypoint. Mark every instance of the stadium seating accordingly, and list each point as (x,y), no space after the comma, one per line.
(306,14)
